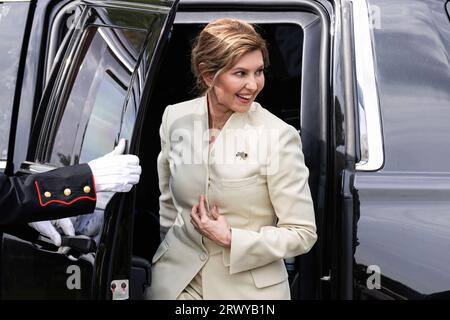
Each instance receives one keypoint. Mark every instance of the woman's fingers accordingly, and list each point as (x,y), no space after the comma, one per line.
(202,209)
(194,211)
(215,213)
(195,220)
(194,223)
(199,214)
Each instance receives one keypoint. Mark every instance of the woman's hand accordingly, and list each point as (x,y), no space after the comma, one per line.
(215,228)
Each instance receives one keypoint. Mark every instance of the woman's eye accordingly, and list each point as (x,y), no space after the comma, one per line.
(259,72)
(240,73)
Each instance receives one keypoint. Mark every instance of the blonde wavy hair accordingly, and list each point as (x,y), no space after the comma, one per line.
(220,45)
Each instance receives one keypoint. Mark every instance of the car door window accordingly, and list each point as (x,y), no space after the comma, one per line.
(12,26)
(96,100)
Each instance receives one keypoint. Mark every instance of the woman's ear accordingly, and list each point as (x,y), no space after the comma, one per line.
(207,77)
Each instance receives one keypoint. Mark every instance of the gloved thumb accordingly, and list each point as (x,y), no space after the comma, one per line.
(119,149)
(46,228)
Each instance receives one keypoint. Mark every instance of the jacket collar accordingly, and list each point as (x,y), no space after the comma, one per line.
(236,121)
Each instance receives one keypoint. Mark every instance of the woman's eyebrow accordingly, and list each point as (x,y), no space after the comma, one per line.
(245,69)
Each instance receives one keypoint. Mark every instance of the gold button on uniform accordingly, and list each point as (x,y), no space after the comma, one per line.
(67,192)
(47,194)
(87,189)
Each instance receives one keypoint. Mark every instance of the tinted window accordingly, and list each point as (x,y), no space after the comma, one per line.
(412,49)
(97,97)
(12,24)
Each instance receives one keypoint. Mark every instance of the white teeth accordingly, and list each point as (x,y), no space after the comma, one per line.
(245,97)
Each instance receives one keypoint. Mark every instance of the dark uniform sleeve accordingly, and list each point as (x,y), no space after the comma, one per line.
(55,194)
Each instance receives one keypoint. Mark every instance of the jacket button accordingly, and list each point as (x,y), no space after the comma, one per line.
(87,189)
(67,192)
(203,256)
(47,194)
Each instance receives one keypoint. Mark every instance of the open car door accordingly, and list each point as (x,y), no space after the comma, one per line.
(95,95)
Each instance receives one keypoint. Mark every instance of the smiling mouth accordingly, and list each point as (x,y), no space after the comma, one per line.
(244,98)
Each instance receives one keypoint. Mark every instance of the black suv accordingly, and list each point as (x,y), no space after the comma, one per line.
(366,83)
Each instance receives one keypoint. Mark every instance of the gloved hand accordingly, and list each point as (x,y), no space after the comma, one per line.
(114,171)
(49,229)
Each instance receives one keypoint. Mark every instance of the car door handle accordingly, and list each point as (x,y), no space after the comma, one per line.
(81,243)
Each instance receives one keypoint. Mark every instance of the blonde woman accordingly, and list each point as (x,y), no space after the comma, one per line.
(234,188)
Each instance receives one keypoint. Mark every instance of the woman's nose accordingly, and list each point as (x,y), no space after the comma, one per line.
(251,84)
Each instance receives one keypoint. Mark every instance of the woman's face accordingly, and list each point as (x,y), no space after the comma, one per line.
(237,88)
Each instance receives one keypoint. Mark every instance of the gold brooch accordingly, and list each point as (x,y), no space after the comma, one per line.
(242,155)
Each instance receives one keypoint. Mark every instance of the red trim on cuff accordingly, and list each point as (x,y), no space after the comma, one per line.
(95,189)
(60,201)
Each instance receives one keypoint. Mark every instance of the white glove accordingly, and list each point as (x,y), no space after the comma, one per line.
(114,171)
(48,229)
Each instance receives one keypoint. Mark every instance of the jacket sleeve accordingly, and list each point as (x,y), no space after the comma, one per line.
(167,210)
(295,232)
(55,194)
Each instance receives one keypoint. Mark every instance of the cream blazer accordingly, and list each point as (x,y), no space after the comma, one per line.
(255,174)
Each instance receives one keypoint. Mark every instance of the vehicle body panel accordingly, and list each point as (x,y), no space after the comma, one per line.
(404,211)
